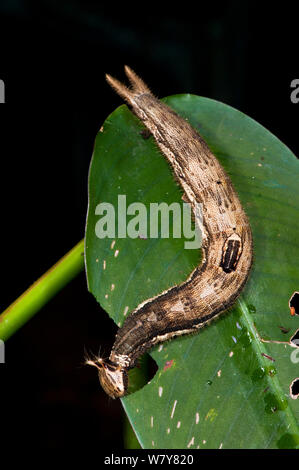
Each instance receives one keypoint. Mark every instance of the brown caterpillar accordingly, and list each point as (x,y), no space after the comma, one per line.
(215,284)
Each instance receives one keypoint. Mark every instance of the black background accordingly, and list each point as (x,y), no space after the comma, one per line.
(53,58)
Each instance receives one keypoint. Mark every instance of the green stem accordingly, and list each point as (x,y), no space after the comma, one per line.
(37,295)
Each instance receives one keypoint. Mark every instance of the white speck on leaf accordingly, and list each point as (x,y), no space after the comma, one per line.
(191,442)
(173,409)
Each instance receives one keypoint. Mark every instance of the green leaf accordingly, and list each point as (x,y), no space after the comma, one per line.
(222,387)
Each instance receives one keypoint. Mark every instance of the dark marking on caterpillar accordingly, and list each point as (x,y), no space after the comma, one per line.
(213,286)
(231,253)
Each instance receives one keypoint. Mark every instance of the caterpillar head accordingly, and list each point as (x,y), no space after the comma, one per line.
(113,377)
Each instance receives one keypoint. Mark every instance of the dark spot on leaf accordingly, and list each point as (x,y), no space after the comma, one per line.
(284,330)
(145,134)
(268,357)
(251,308)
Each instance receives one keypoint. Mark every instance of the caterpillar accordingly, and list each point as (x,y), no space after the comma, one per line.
(227,250)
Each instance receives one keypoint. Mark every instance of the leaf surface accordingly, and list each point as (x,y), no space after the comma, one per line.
(223,387)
